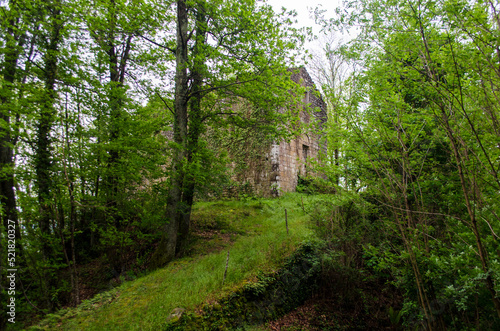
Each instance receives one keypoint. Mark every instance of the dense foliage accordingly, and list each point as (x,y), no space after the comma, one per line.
(104,109)
(420,114)
(115,115)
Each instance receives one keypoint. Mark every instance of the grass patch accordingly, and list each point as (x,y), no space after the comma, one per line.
(271,296)
(258,243)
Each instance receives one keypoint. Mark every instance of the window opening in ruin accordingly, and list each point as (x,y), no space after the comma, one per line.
(305,151)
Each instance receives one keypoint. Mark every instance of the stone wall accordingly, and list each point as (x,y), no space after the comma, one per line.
(277,167)
(291,159)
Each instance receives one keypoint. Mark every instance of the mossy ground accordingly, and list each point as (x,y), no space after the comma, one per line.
(253,231)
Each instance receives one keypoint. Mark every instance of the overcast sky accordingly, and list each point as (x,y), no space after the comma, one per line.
(305,19)
(302,7)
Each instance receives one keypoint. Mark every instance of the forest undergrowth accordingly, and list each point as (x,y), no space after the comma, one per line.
(252,231)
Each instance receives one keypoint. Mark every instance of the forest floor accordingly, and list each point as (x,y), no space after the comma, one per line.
(254,233)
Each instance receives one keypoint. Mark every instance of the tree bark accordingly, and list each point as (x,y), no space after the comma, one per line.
(483,257)
(195,123)
(43,159)
(14,43)
(166,250)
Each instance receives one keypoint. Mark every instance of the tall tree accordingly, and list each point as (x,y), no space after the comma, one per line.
(425,113)
(232,49)
(14,39)
(51,37)
(109,25)
(121,52)
(331,70)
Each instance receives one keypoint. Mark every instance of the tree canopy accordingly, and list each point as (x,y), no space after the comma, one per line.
(89,94)
(421,117)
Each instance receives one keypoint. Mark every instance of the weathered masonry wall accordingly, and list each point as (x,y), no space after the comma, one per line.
(293,160)
(276,168)
(289,160)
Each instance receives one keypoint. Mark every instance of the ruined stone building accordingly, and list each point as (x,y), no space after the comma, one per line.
(278,168)
(261,166)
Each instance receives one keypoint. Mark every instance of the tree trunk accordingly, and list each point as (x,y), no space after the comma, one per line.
(195,124)
(167,247)
(43,159)
(7,195)
(473,222)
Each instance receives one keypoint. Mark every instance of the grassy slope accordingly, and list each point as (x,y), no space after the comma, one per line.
(146,303)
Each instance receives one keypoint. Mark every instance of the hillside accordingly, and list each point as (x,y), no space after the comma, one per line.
(254,233)
(118,117)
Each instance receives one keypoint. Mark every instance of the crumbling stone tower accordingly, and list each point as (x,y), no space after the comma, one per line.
(278,168)
(289,160)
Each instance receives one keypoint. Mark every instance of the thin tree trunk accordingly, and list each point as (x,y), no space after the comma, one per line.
(473,221)
(166,250)
(43,159)
(7,195)
(195,123)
